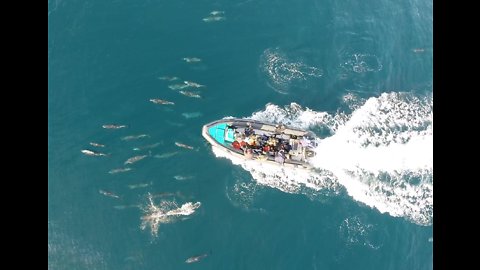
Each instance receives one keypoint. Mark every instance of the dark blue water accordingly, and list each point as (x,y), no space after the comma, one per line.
(105,59)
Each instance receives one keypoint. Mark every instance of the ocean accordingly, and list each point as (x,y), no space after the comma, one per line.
(132,184)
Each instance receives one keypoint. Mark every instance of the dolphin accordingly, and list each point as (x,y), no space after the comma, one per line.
(161,101)
(168,78)
(134,137)
(166,155)
(93,153)
(191,59)
(96,144)
(191,115)
(177,86)
(184,145)
(134,159)
(141,185)
(146,147)
(193,84)
(190,94)
(119,170)
(214,19)
(217,12)
(112,126)
(109,194)
(182,177)
(196,258)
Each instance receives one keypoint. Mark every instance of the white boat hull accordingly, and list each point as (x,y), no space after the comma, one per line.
(298,157)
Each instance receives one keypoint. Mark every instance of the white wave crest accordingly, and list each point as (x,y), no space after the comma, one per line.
(382,154)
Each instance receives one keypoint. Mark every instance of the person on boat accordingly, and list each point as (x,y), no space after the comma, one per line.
(243,145)
(280,157)
(252,140)
(279,129)
(239,136)
(272,141)
(264,139)
(249,130)
(248,153)
(287,147)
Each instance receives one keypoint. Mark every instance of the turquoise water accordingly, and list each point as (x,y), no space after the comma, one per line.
(357,73)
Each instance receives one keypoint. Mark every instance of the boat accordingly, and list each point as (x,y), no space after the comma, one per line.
(263,142)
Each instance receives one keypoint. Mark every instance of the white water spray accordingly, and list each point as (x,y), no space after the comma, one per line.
(165,212)
(382,154)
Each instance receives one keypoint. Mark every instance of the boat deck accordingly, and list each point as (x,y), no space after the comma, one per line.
(300,143)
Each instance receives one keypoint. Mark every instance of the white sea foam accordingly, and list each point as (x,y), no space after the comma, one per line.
(242,191)
(289,180)
(355,231)
(361,63)
(164,212)
(381,154)
(283,72)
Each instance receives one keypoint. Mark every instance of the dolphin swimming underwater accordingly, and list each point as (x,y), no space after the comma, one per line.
(197,258)
(112,126)
(93,153)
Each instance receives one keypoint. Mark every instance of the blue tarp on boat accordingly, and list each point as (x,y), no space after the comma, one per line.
(218,132)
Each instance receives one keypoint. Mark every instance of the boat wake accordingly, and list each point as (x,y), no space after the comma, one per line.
(381,154)
(164,212)
(242,192)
